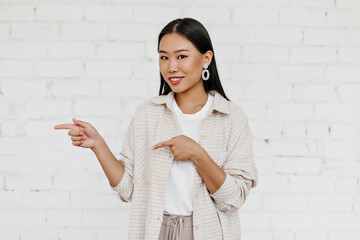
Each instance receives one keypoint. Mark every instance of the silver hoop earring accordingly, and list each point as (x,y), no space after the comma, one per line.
(205,71)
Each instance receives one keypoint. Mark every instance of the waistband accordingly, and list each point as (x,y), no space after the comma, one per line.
(177,221)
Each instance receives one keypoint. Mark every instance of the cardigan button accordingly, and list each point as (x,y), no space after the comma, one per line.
(196,195)
(196,226)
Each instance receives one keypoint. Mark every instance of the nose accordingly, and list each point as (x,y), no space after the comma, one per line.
(172,66)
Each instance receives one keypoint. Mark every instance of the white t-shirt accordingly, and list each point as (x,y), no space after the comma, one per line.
(179,191)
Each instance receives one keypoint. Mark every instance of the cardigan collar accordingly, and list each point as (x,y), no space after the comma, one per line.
(220,103)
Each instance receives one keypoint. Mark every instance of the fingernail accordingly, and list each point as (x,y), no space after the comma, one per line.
(81,133)
(152,148)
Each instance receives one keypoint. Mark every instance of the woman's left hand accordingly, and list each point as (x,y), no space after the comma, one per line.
(182,147)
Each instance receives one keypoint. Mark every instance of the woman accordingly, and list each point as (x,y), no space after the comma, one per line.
(187,161)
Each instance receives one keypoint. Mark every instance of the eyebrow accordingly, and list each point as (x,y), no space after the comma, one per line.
(179,50)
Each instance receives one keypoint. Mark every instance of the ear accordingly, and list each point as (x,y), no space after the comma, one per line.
(208,57)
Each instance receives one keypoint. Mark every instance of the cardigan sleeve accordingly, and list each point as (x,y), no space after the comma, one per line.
(240,169)
(125,187)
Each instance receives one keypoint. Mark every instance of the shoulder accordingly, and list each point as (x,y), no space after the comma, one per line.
(147,106)
(237,113)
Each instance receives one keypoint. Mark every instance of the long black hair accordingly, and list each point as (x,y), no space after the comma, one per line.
(196,33)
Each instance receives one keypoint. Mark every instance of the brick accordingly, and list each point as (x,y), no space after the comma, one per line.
(310,235)
(59,68)
(327,110)
(273,184)
(10,146)
(124,89)
(346,185)
(96,107)
(78,233)
(94,200)
(351,169)
(22,50)
(344,235)
(313,93)
(313,55)
(343,73)
(349,55)
(333,204)
(24,88)
(11,68)
(289,111)
(4,109)
(204,14)
(265,165)
(265,54)
(354,36)
(317,131)
(114,233)
(261,220)
(268,92)
(155,14)
(109,13)
(343,132)
(28,181)
(302,17)
(286,203)
(75,88)
(4,31)
(311,3)
(145,70)
(339,221)
(133,32)
(41,200)
(10,234)
(326,37)
(300,165)
(71,50)
(270,130)
(108,69)
(348,17)
(257,234)
(347,3)
(349,93)
(122,51)
(232,34)
(84,31)
(76,181)
(294,131)
(38,108)
(301,73)
(62,217)
(226,53)
(311,184)
(294,221)
(255,15)
(34,31)
(16,12)
(253,72)
(59,12)
(279,36)
(104,218)
(9,129)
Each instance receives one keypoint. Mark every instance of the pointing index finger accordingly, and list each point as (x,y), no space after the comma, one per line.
(65,126)
(161,144)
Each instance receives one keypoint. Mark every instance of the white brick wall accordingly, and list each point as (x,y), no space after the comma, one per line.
(292,65)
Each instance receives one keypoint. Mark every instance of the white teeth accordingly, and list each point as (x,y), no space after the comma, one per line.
(174,79)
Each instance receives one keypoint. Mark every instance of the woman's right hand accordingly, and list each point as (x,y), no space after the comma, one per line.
(82,133)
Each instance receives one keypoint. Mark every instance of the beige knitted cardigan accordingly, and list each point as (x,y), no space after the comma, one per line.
(224,134)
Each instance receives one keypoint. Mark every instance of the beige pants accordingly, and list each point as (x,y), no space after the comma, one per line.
(176,227)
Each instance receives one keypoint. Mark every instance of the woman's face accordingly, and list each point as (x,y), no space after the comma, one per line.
(178,57)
